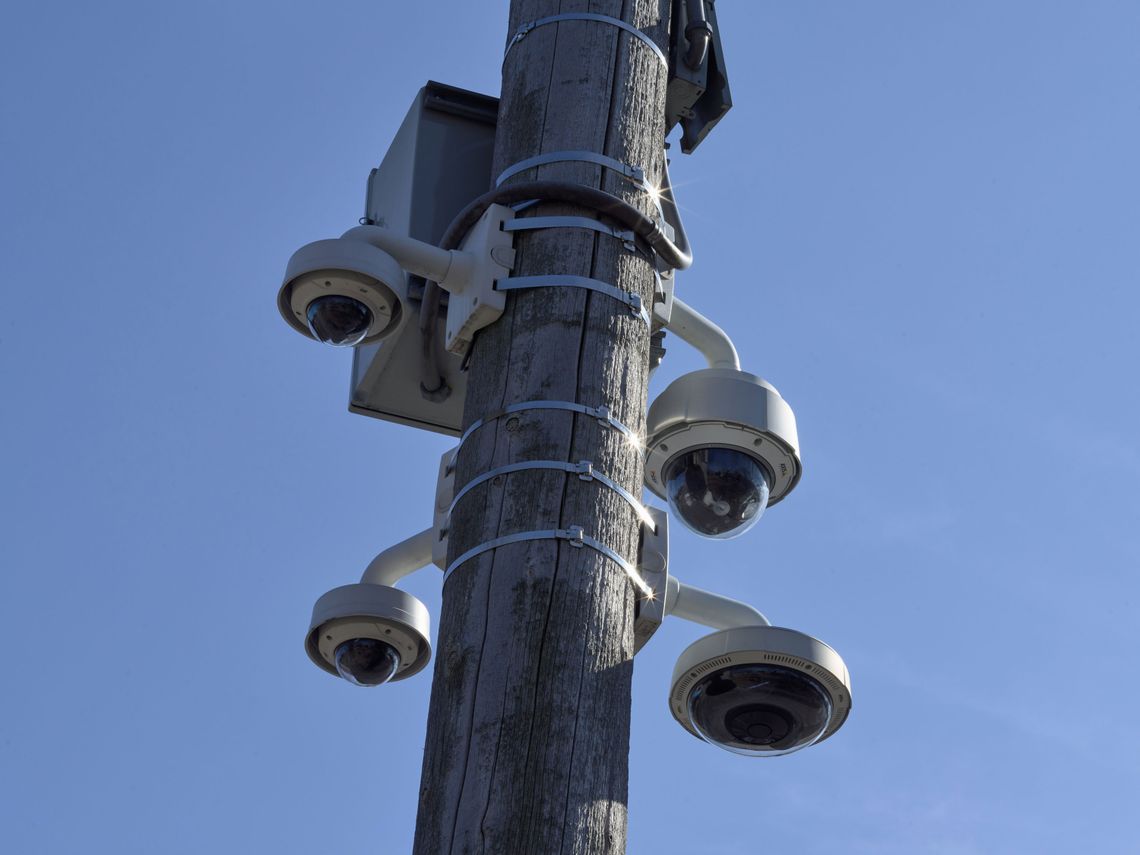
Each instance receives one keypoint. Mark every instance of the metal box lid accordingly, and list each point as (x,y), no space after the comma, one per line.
(439,161)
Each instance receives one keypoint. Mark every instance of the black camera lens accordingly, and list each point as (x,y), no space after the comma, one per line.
(717,492)
(759,724)
(763,710)
(366,661)
(338,320)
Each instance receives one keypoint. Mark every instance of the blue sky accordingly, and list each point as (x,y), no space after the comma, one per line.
(919,221)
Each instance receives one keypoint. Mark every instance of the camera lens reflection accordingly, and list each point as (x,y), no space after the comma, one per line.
(338,320)
(717,492)
(366,661)
(760,710)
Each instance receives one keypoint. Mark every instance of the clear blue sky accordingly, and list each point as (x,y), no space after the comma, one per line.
(919,221)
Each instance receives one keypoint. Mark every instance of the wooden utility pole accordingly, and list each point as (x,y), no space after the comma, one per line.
(528,731)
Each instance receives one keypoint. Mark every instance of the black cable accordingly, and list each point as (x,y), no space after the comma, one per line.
(698,31)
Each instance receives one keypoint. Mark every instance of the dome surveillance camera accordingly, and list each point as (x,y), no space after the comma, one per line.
(342,292)
(761,691)
(717,492)
(722,447)
(369,634)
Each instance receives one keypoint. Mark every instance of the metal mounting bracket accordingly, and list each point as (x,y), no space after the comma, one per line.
(653,565)
(477,303)
(444,492)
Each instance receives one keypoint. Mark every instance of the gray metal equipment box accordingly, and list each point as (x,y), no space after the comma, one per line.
(439,161)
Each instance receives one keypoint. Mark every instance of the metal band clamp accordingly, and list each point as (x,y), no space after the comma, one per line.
(602,414)
(630,298)
(583,469)
(522,224)
(634,173)
(576,538)
(585,16)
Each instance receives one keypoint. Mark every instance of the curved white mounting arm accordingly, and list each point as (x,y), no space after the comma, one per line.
(397,561)
(709,609)
(691,326)
(450,268)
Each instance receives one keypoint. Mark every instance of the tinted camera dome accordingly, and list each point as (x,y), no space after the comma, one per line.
(366,661)
(338,320)
(717,492)
(759,710)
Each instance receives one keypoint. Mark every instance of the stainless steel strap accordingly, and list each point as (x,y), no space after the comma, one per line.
(522,31)
(583,469)
(634,173)
(602,414)
(630,298)
(574,535)
(522,224)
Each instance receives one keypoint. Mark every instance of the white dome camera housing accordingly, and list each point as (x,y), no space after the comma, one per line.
(721,447)
(762,691)
(342,292)
(369,634)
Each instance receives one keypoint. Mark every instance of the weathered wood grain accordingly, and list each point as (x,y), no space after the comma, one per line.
(528,729)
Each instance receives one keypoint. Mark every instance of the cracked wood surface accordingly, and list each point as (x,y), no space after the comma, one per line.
(528,729)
